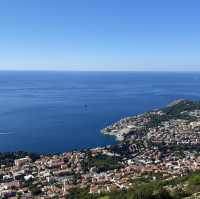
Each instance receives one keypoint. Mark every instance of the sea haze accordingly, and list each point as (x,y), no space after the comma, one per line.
(60,111)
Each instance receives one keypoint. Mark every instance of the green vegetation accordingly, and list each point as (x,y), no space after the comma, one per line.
(35,191)
(177,188)
(79,193)
(7,158)
(194,184)
(104,197)
(178,148)
(144,191)
(181,106)
(101,162)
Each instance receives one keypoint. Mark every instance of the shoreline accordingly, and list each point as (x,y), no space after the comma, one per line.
(161,144)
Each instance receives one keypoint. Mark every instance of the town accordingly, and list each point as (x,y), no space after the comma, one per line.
(162,144)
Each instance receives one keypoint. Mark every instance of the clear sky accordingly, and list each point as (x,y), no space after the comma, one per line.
(100,35)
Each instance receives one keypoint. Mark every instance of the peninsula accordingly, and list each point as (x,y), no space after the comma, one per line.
(178,123)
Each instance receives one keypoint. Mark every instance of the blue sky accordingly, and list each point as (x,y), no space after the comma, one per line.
(142,35)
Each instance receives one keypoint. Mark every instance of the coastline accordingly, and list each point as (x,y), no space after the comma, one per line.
(117,134)
(162,144)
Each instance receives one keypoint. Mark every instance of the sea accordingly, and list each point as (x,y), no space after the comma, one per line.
(51,111)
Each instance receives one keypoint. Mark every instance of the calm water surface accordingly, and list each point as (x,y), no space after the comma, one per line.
(59,111)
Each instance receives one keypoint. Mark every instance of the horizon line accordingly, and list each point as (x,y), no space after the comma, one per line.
(65,70)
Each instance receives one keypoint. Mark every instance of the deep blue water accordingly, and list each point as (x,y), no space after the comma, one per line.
(46,112)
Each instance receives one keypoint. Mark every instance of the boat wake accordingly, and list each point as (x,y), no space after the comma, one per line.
(5,133)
